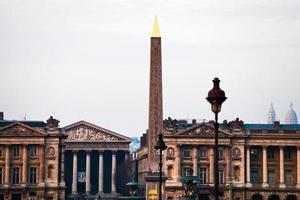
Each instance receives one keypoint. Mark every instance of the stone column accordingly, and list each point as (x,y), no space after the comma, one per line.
(43,168)
(281,167)
(178,171)
(298,167)
(265,167)
(24,170)
(101,172)
(211,166)
(74,182)
(113,172)
(88,172)
(62,166)
(195,161)
(7,163)
(248,166)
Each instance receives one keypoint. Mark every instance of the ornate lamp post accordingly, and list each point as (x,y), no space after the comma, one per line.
(160,146)
(216,97)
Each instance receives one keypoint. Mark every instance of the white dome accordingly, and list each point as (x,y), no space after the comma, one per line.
(291,116)
(271,115)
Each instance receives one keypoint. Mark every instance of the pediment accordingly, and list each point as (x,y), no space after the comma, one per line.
(19,129)
(203,130)
(83,131)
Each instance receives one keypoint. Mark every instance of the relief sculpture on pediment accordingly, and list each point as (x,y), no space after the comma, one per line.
(18,130)
(83,133)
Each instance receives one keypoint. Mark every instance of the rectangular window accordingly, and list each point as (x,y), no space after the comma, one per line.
(186,152)
(271,154)
(1,151)
(271,177)
(254,154)
(15,151)
(33,151)
(32,175)
(221,175)
(221,153)
(15,175)
(187,171)
(287,154)
(203,152)
(254,176)
(288,177)
(202,174)
(1,175)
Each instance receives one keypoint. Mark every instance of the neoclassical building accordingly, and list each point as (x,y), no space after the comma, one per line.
(96,159)
(31,160)
(256,161)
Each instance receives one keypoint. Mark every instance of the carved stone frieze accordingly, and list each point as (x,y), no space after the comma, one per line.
(18,130)
(84,133)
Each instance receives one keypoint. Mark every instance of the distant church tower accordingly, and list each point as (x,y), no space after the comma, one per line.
(155,123)
(291,116)
(271,115)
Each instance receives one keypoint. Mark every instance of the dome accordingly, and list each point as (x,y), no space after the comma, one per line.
(291,116)
(271,115)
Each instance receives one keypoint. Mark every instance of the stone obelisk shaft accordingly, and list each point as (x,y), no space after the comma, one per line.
(155,124)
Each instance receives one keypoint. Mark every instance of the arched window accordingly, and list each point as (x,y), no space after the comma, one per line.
(50,171)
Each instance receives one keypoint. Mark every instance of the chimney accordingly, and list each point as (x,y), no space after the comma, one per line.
(194,122)
(1,116)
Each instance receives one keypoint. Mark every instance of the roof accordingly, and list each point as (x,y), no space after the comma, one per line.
(271,127)
(34,124)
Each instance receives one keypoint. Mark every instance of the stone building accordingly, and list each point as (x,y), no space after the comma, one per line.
(31,160)
(96,159)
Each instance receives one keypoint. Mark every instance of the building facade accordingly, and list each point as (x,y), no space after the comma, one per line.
(31,153)
(96,159)
(256,161)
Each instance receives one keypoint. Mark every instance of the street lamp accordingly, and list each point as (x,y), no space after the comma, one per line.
(160,145)
(216,97)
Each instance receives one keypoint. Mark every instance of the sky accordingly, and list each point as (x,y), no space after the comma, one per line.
(89,59)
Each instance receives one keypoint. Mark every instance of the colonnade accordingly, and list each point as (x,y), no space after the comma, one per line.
(88,172)
(265,166)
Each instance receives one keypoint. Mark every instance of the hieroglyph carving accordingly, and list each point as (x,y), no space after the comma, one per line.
(86,133)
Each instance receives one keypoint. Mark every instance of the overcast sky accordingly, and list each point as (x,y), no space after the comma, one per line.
(89,59)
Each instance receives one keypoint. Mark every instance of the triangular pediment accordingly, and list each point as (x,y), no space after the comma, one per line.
(19,129)
(83,131)
(203,130)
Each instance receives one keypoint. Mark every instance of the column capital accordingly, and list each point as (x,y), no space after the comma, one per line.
(281,146)
(88,151)
(298,147)
(74,151)
(25,145)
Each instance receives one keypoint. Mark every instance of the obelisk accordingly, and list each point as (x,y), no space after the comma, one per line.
(155,123)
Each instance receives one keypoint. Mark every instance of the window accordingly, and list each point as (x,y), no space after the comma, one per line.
(254,176)
(254,154)
(221,153)
(187,171)
(271,177)
(202,174)
(186,152)
(287,154)
(1,151)
(288,177)
(271,154)
(236,173)
(32,174)
(203,152)
(33,151)
(1,175)
(15,175)
(15,151)
(221,175)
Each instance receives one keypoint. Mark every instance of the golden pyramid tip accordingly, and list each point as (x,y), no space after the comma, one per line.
(155,31)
